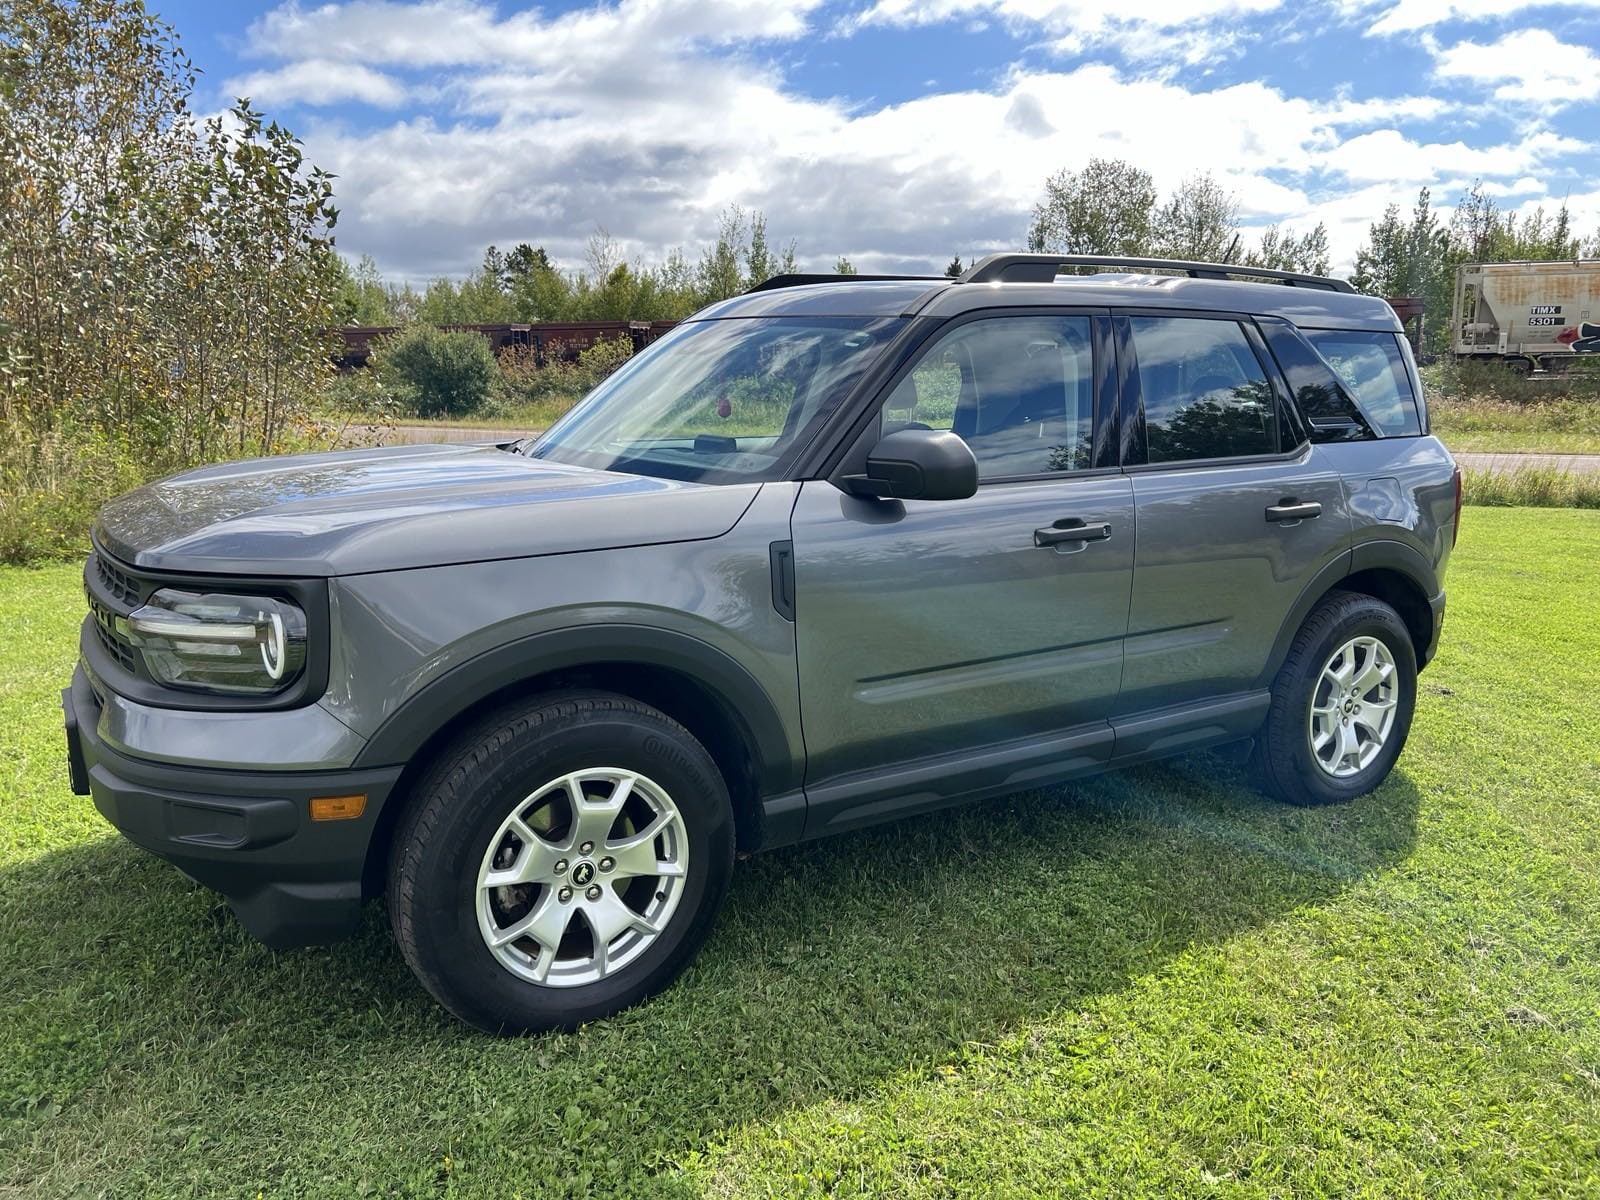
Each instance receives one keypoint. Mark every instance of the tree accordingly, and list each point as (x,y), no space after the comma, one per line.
(163,280)
(719,275)
(1283,250)
(1106,208)
(843,266)
(363,300)
(1199,221)
(1400,257)
(955,270)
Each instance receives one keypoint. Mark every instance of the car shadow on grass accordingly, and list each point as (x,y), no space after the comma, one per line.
(836,965)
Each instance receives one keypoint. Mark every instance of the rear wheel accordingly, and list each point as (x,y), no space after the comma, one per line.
(1341,705)
(561,861)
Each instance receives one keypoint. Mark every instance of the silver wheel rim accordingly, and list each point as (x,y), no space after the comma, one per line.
(582,877)
(1352,707)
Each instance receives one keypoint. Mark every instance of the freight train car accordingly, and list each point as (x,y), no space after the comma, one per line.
(1528,315)
(548,341)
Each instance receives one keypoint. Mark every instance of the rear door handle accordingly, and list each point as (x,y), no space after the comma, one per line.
(1071,529)
(1290,509)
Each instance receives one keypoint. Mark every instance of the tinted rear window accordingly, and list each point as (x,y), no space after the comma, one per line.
(1370,365)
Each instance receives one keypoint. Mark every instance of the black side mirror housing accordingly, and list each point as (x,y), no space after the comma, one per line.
(918,464)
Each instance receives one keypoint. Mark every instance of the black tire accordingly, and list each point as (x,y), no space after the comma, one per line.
(462,800)
(1283,757)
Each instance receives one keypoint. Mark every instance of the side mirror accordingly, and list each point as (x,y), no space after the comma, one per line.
(918,464)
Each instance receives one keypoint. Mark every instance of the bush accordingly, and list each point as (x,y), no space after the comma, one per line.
(437,373)
(529,393)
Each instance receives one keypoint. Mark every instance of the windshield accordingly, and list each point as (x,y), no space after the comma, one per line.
(719,401)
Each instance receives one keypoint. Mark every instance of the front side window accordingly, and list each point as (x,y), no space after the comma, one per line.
(1205,392)
(723,401)
(1019,390)
(1370,365)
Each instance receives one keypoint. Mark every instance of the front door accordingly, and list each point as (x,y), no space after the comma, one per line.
(968,632)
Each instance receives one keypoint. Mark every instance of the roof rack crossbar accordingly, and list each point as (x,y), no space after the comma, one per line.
(796,280)
(1042,268)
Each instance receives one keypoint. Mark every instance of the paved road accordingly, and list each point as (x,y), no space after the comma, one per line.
(413,435)
(1582,464)
(1585,464)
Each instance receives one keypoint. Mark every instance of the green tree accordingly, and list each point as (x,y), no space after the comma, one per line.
(1106,208)
(436,372)
(955,270)
(1402,257)
(1199,221)
(843,266)
(363,299)
(1284,250)
(163,280)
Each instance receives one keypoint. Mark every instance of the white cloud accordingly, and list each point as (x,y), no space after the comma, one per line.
(1530,64)
(624,117)
(1387,154)
(318,81)
(1186,32)
(1409,16)
(461,32)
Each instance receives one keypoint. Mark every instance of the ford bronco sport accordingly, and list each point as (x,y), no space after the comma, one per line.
(830,553)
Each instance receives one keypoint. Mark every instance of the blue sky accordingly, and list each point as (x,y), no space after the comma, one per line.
(896,132)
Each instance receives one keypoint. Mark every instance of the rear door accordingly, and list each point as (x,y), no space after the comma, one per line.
(1237,511)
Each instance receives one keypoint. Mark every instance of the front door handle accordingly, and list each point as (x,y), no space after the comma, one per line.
(1071,529)
(1290,509)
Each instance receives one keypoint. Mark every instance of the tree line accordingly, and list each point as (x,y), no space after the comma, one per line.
(1107,207)
(524,284)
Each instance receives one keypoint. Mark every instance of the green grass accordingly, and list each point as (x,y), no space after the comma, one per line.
(1154,983)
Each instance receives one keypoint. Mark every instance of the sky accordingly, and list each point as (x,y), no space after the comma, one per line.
(895,132)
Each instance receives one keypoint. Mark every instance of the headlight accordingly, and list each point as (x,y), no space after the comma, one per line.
(252,645)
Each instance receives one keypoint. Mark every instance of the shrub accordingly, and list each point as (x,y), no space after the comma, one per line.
(436,373)
(529,393)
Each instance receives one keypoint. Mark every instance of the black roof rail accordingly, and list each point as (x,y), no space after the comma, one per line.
(784,281)
(1042,268)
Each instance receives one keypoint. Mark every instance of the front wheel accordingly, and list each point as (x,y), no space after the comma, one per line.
(1341,704)
(561,861)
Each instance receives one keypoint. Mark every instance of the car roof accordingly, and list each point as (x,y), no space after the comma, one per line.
(1308,307)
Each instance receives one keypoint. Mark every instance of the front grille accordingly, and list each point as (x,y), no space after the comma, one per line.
(112,594)
(118,583)
(111,641)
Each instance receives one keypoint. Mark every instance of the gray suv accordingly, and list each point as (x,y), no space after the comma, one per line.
(834,552)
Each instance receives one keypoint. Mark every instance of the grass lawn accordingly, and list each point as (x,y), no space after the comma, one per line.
(1148,984)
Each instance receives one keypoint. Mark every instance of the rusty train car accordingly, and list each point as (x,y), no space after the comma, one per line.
(548,341)
(1528,315)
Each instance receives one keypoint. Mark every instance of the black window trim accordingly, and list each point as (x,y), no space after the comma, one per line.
(848,454)
(1135,446)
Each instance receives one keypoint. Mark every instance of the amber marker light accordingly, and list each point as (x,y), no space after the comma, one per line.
(338,808)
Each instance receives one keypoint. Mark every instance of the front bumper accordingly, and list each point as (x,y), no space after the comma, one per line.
(247,834)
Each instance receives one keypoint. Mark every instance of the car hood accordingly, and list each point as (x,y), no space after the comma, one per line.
(355,511)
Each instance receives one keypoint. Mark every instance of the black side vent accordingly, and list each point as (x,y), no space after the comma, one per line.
(783,579)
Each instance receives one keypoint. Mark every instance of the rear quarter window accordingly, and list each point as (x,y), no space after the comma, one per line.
(1371,366)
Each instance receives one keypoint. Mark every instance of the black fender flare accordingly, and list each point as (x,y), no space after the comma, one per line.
(1380,554)
(444,699)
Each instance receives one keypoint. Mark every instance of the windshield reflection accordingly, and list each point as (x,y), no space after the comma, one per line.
(719,401)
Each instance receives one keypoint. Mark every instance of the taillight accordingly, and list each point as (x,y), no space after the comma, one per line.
(1455,531)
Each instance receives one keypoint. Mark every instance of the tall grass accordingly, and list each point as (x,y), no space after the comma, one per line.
(1530,487)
